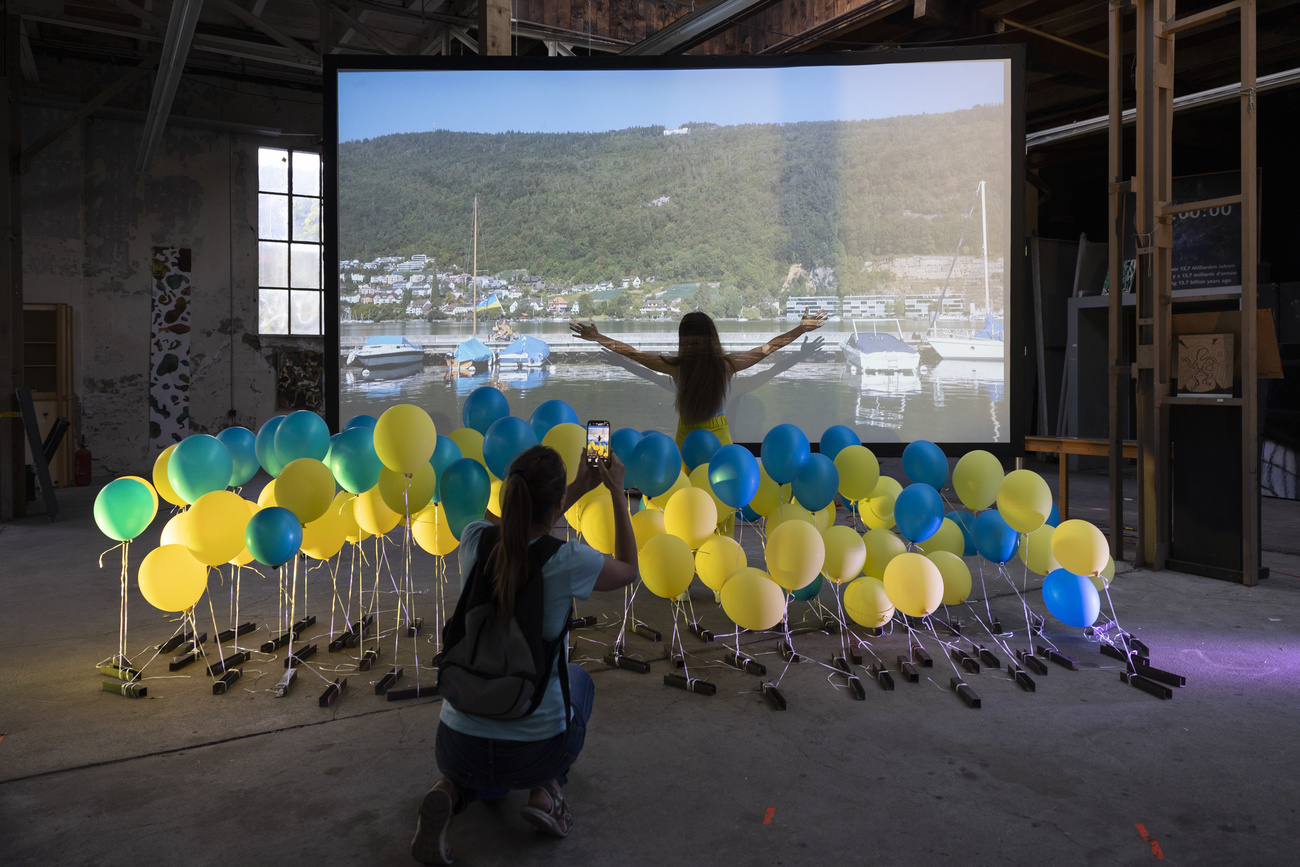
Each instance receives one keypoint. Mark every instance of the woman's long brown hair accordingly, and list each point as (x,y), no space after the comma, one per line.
(702,369)
(534,485)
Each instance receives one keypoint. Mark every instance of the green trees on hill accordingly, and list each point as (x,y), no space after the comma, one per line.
(737,205)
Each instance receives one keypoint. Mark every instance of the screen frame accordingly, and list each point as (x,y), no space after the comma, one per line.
(1016,314)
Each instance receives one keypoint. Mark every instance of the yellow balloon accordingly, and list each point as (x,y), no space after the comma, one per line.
(570,440)
(431,531)
(752,599)
(661,502)
(1036,550)
(494,496)
(795,553)
(825,519)
(846,553)
(306,488)
(914,584)
(324,537)
(574,514)
(768,496)
(405,437)
(646,524)
(877,510)
(173,532)
(667,566)
(699,478)
(1080,547)
(267,497)
(859,472)
(214,528)
(405,494)
(947,538)
(373,514)
(243,558)
(955,574)
(1102,581)
(882,547)
(352,530)
(788,512)
(470,443)
(867,603)
(1024,500)
(171,579)
(976,478)
(160,483)
(598,522)
(718,559)
(691,516)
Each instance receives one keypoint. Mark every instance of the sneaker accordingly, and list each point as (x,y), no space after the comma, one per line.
(429,845)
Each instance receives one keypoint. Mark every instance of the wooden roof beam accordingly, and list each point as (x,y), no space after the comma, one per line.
(263,27)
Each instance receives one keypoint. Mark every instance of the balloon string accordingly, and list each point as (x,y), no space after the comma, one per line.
(216,632)
(104,554)
(122,620)
(678,611)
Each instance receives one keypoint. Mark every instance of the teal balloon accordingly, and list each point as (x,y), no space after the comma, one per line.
(816,484)
(444,452)
(464,489)
(361,420)
(484,406)
(503,441)
(548,414)
(734,476)
(302,434)
(803,594)
(242,445)
(655,465)
(698,447)
(785,453)
(623,441)
(273,536)
(200,465)
(353,460)
(836,439)
(994,539)
(124,508)
(926,464)
(265,446)
(918,512)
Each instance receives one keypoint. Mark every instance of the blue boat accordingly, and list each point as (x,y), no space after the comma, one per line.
(526,351)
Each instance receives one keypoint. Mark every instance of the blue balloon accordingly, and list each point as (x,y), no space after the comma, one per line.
(698,447)
(362,420)
(548,414)
(353,460)
(623,441)
(966,521)
(464,489)
(273,536)
(504,441)
(994,539)
(200,465)
(803,594)
(484,406)
(925,462)
(816,483)
(836,439)
(1054,519)
(918,512)
(750,515)
(265,446)
(242,445)
(655,465)
(303,434)
(1071,598)
(733,475)
(785,453)
(444,452)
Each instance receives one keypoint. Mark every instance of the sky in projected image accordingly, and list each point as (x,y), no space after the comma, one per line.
(637,195)
(381,103)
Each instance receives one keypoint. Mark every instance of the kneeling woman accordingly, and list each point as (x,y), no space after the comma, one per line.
(481,759)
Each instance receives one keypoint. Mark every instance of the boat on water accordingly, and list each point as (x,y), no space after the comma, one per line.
(468,353)
(387,356)
(875,350)
(525,351)
(987,344)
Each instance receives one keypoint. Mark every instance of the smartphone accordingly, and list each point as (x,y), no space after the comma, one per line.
(597,442)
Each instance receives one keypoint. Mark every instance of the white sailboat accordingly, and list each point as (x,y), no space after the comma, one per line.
(987,344)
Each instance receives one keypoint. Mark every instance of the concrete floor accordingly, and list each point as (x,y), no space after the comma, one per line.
(1075,773)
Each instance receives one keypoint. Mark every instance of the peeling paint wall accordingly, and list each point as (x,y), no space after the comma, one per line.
(89,223)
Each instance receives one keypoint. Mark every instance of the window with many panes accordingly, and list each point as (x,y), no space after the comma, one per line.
(289,249)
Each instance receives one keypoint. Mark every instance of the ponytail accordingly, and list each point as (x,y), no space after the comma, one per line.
(532,488)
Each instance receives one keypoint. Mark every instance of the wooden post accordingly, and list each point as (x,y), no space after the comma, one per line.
(1118,372)
(1249,288)
(13,476)
(494,27)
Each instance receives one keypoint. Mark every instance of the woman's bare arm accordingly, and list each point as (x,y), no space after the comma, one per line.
(743,360)
(588,331)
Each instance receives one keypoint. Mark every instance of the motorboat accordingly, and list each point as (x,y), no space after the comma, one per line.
(471,351)
(380,356)
(524,351)
(871,351)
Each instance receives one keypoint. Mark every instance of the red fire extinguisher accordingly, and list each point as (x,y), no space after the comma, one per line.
(81,465)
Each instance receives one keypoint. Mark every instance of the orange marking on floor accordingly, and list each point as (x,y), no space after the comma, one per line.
(1155,846)
(767,817)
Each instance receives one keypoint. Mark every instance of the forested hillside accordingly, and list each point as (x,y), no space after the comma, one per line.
(739,204)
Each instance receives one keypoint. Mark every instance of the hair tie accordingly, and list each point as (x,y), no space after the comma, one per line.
(528,479)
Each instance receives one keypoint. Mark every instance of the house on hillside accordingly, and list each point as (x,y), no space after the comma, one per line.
(559,306)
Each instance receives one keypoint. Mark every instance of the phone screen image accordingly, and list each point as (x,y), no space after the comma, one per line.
(597,441)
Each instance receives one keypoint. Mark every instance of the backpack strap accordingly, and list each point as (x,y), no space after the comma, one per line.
(539,554)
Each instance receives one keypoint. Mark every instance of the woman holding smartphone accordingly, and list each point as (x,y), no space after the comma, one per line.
(481,759)
(701,370)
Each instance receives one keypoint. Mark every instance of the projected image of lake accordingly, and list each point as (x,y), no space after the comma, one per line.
(812,383)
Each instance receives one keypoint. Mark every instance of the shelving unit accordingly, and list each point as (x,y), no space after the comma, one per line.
(48,372)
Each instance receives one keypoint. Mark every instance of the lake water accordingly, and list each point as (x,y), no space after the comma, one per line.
(944,401)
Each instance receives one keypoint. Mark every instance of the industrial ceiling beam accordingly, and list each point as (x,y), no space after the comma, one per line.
(176,48)
(365,30)
(261,26)
(695,27)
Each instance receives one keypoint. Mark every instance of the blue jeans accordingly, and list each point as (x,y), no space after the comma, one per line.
(484,769)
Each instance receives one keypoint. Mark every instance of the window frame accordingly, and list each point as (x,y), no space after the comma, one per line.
(282,232)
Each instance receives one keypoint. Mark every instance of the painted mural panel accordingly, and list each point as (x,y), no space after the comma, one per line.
(169,348)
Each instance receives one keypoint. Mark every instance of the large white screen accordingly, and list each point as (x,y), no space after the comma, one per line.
(880,192)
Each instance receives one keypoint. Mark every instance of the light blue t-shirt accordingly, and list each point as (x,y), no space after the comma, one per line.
(570,574)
